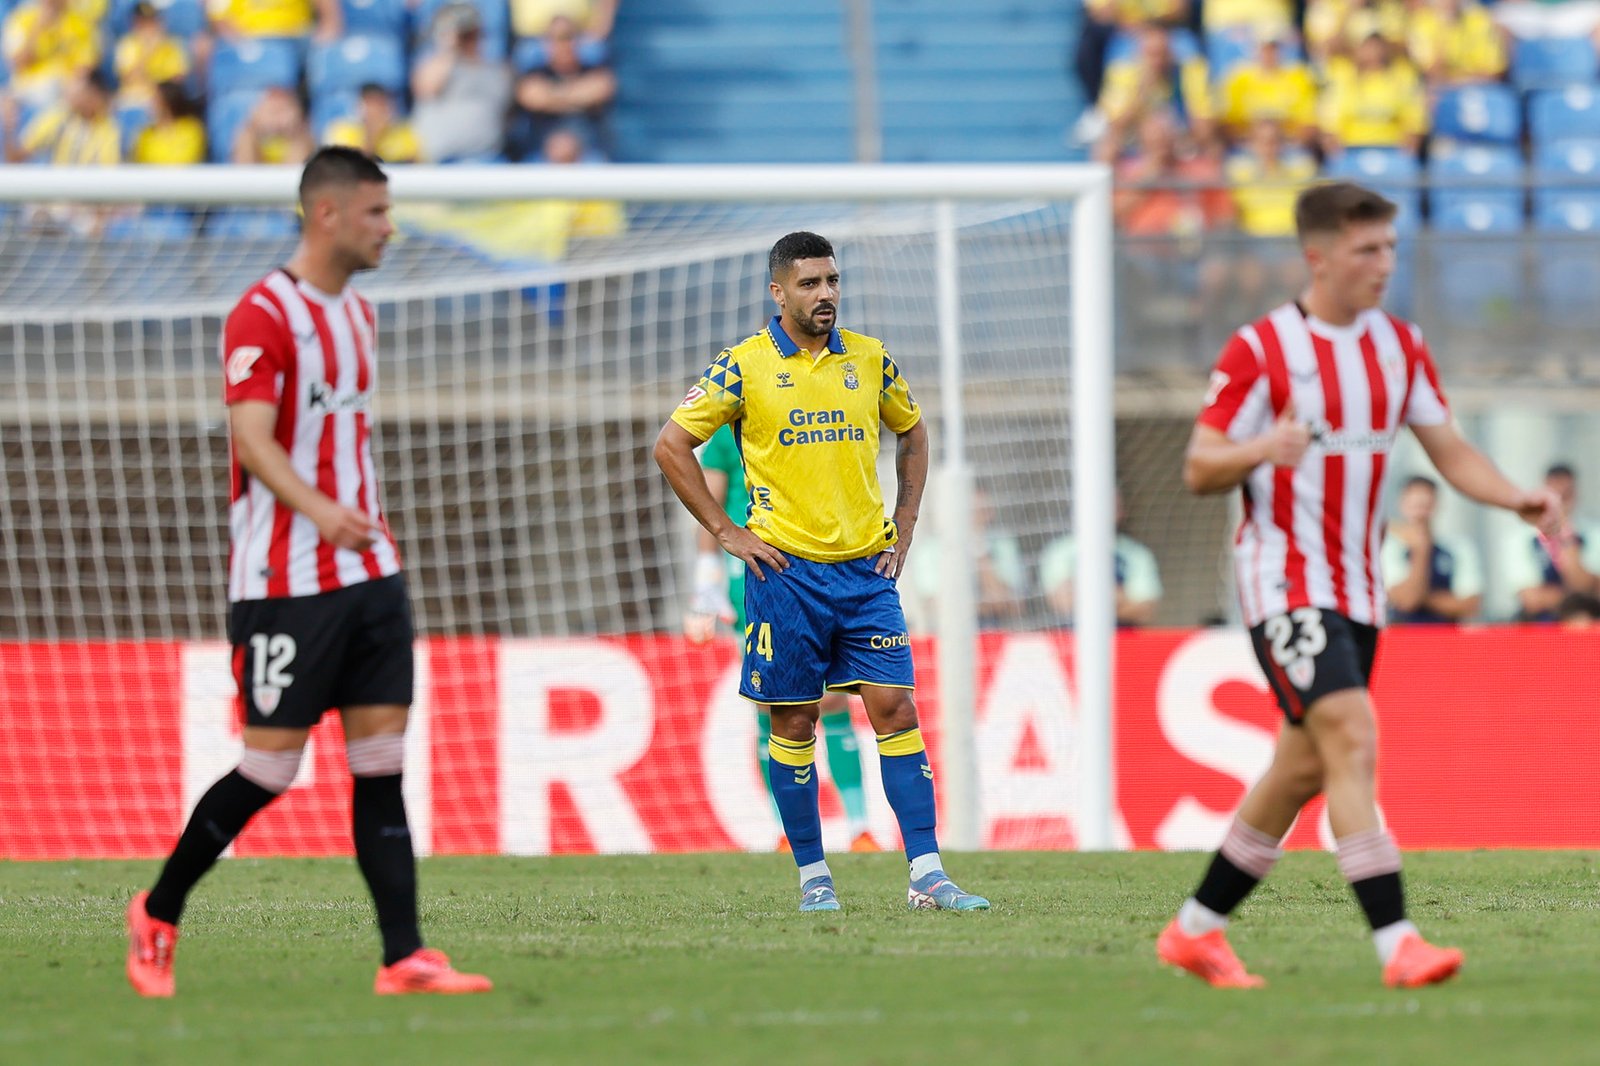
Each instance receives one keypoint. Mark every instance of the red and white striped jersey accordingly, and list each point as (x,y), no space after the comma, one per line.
(1311,535)
(314,355)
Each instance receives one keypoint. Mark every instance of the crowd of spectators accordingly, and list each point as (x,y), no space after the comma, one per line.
(1259,96)
(169,82)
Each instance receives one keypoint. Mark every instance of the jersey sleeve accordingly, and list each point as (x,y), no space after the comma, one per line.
(720,453)
(715,400)
(1237,401)
(256,350)
(896,406)
(1425,401)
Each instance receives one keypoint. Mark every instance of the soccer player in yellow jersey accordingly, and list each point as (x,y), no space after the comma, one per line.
(805,399)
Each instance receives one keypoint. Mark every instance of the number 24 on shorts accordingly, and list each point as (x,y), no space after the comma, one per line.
(763,640)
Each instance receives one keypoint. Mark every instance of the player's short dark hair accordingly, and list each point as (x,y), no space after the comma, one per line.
(1423,480)
(1562,470)
(1579,605)
(337,165)
(369,88)
(1330,206)
(801,244)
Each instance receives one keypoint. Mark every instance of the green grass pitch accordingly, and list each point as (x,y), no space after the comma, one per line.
(703,959)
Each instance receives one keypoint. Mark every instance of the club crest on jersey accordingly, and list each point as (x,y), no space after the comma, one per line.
(240,363)
(851,381)
(1301,672)
(266,699)
(785,380)
(755,680)
(693,396)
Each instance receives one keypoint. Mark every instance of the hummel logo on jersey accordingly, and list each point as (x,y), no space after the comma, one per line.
(803,776)
(785,380)
(240,362)
(927,771)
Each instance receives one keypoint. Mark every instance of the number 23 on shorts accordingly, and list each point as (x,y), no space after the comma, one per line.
(763,639)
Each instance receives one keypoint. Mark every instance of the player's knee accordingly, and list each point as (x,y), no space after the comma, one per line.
(272,770)
(1303,781)
(795,723)
(1347,739)
(380,755)
(895,713)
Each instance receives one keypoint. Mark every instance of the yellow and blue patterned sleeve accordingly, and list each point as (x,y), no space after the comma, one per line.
(897,407)
(715,400)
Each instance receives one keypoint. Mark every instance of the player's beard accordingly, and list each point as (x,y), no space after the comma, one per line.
(815,328)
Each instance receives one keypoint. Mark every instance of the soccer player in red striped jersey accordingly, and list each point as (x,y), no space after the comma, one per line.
(319,613)
(1302,414)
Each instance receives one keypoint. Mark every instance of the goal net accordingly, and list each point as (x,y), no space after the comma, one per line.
(535,331)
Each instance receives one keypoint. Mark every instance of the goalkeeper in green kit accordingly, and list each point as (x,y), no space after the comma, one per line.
(719,598)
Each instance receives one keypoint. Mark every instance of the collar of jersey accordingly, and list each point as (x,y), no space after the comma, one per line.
(787,347)
(327,299)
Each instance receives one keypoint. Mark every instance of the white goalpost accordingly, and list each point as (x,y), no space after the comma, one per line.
(517,397)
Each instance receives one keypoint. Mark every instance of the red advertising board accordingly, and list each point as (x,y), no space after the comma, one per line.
(637,744)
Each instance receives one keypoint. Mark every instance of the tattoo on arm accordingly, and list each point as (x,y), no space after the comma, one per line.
(907,448)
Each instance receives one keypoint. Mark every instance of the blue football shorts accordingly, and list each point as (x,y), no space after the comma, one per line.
(821,626)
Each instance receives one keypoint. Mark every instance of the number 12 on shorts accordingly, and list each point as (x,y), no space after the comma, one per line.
(763,641)
(271,657)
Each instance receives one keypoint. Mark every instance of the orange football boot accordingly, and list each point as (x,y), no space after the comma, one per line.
(427,971)
(1417,962)
(1208,957)
(151,946)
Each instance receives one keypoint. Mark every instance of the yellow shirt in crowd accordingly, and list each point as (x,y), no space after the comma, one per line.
(1121,96)
(398,144)
(1265,202)
(1468,49)
(143,64)
(59,51)
(1287,95)
(1375,108)
(265,18)
(180,143)
(61,137)
(1333,25)
(1261,16)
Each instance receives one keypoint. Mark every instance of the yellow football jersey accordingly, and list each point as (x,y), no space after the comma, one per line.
(807,431)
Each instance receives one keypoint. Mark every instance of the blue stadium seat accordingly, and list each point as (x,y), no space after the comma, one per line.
(386,18)
(1557,114)
(1479,113)
(329,107)
(1125,46)
(131,118)
(1467,215)
(352,62)
(182,18)
(1568,269)
(1553,62)
(1480,176)
(223,119)
(1391,171)
(1577,158)
(255,63)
